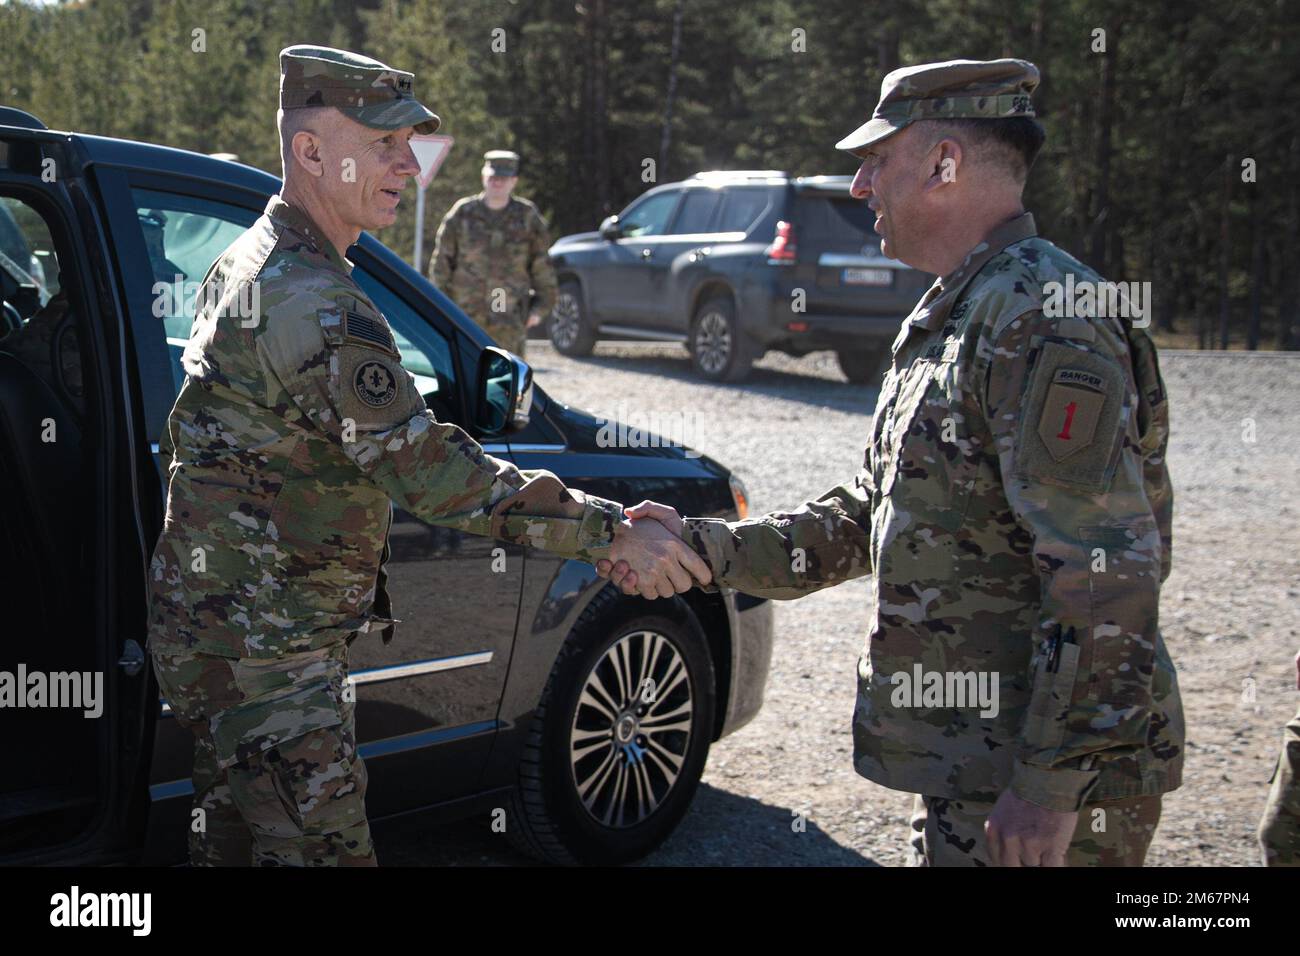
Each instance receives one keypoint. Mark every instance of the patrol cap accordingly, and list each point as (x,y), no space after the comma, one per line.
(975,89)
(357,86)
(502,162)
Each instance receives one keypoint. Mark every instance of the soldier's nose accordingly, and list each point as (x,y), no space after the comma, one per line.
(861,186)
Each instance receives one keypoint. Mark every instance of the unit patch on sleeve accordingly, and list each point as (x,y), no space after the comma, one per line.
(1071,418)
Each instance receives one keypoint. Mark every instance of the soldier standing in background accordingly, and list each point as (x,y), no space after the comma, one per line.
(490,256)
(1013,509)
(1279,829)
(294,431)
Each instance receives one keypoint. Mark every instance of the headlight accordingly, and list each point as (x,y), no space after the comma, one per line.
(740,496)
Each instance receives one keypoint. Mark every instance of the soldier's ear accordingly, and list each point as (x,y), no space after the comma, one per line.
(306,149)
(944,162)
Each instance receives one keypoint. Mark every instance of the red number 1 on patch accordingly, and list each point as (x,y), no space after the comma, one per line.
(1069,417)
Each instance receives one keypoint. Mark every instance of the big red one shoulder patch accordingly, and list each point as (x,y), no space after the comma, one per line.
(1069,432)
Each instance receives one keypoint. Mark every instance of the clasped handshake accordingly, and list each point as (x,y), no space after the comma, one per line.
(649,557)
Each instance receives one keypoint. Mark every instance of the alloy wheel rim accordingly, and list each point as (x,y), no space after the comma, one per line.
(713,342)
(565,320)
(631,729)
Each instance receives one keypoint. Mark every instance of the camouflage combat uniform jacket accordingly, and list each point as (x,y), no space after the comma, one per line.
(292,433)
(1015,509)
(494,264)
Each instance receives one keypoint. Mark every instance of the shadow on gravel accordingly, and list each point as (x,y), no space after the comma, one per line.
(770,382)
(726,829)
(720,829)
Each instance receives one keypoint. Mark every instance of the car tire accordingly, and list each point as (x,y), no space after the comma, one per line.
(864,366)
(569,327)
(576,738)
(720,350)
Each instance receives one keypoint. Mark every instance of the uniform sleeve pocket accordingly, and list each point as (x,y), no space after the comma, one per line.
(1049,703)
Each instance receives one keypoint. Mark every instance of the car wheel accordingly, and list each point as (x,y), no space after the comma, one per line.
(864,366)
(619,739)
(720,351)
(569,328)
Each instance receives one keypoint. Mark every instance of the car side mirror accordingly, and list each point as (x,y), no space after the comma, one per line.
(610,228)
(505,392)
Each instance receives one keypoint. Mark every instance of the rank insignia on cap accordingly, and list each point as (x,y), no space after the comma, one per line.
(1068,422)
(375,384)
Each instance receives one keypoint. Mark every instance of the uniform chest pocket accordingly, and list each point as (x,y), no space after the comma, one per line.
(928,446)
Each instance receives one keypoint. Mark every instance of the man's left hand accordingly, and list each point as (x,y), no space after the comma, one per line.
(1021,833)
(534,319)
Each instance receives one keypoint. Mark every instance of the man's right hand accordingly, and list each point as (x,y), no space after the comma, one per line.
(622,573)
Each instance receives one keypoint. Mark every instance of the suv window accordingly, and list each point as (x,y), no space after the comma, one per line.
(696,213)
(649,217)
(740,208)
(845,220)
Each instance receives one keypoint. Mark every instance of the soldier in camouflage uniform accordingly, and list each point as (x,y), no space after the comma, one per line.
(490,256)
(1279,829)
(1013,509)
(294,430)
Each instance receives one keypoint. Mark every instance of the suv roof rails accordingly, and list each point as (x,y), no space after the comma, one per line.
(741,174)
(12,116)
(823,184)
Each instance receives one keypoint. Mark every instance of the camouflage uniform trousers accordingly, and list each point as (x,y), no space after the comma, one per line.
(276,770)
(951,832)
(1279,830)
(509,331)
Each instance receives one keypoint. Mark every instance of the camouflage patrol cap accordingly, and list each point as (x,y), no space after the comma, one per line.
(357,86)
(502,162)
(976,89)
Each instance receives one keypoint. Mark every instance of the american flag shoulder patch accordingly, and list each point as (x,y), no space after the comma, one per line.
(366,331)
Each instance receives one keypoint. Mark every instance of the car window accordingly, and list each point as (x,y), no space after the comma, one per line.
(740,208)
(650,216)
(696,212)
(426,353)
(183,235)
(28,250)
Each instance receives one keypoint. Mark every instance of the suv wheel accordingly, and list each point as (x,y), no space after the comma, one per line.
(864,366)
(619,740)
(570,331)
(720,351)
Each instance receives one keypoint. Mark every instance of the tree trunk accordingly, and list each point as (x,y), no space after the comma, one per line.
(1287,304)
(666,137)
(1256,270)
(1100,226)
(600,107)
(1225,239)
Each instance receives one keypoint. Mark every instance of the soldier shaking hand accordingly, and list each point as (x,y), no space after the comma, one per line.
(1013,509)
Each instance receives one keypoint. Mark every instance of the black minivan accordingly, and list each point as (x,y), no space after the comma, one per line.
(514,680)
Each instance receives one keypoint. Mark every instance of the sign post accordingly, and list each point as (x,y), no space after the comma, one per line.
(430,151)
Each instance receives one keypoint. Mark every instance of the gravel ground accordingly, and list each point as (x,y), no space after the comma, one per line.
(795,429)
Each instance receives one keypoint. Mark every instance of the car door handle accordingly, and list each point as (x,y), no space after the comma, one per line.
(132,659)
